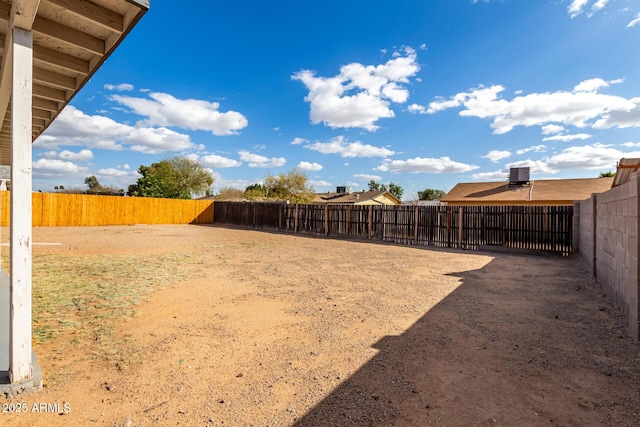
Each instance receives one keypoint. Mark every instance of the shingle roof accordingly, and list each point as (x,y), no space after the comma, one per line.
(350,198)
(547,190)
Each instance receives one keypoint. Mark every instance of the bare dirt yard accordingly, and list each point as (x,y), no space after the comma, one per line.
(201,325)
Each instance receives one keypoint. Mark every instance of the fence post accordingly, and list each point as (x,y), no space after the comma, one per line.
(370,221)
(255,219)
(448,226)
(460,227)
(594,245)
(415,227)
(295,220)
(326,219)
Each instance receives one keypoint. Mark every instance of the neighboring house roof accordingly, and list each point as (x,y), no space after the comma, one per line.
(357,198)
(547,191)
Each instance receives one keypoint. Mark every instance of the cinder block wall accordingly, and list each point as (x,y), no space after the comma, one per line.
(613,255)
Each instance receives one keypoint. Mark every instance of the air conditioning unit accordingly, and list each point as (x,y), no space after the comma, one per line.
(343,190)
(519,176)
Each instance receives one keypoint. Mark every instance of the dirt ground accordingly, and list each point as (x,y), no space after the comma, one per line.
(281,330)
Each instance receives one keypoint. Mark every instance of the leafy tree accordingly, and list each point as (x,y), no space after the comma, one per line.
(229,193)
(95,187)
(396,190)
(92,183)
(292,186)
(430,194)
(173,178)
(392,188)
(255,192)
(608,174)
(374,186)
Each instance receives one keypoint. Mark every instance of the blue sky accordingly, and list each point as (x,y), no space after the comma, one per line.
(422,93)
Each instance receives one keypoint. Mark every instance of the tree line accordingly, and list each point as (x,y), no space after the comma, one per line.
(184,178)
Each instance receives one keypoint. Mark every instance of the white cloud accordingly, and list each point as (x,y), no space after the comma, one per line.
(122,87)
(598,5)
(500,175)
(320,184)
(417,109)
(116,173)
(578,108)
(340,145)
(258,161)
(496,155)
(55,168)
(576,7)
(631,144)
(595,156)
(567,138)
(67,155)
(551,129)
(75,128)
(592,85)
(310,167)
(158,140)
(367,177)
(192,114)
(425,165)
(359,95)
(298,141)
(636,20)
(535,166)
(218,162)
(533,148)
(587,157)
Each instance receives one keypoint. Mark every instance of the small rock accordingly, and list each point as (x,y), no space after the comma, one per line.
(127,423)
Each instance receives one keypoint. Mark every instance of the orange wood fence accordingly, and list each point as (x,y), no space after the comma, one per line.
(61,210)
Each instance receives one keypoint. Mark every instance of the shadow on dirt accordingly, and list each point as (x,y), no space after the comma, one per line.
(523,341)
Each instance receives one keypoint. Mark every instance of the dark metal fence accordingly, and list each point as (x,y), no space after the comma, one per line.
(544,228)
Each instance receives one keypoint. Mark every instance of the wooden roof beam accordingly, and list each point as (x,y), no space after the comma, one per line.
(23,13)
(45,104)
(42,114)
(49,93)
(68,35)
(62,60)
(52,78)
(93,12)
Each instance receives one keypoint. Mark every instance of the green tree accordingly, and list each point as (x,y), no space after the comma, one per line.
(430,194)
(255,192)
(92,183)
(95,187)
(292,186)
(374,186)
(608,174)
(396,190)
(392,188)
(173,178)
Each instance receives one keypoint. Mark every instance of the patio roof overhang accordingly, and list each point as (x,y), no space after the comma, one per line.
(71,40)
(50,49)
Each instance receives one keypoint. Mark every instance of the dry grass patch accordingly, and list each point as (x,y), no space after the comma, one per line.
(78,300)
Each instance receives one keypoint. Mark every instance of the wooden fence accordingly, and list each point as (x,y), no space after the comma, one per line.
(60,210)
(544,228)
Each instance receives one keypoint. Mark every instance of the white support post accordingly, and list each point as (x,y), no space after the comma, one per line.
(20,363)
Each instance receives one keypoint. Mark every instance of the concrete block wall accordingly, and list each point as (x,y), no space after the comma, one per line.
(608,242)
